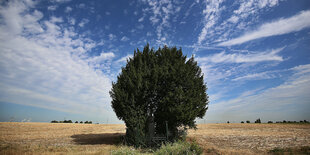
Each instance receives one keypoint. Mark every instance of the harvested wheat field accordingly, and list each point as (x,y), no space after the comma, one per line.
(251,138)
(61,138)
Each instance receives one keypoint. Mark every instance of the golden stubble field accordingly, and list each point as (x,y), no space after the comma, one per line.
(61,138)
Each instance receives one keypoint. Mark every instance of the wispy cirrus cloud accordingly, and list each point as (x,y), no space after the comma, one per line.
(83,22)
(52,7)
(68,9)
(211,15)
(160,15)
(257,76)
(223,57)
(124,38)
(292,93)
(279,27)
(218,27)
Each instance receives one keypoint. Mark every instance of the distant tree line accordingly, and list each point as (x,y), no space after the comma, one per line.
(70,121)
(301,121)
(284,121)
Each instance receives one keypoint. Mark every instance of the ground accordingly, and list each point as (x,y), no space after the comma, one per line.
(250,138)
(61,138)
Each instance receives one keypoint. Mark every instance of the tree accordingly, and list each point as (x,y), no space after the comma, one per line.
(248,121)
(67,121)
(258,121)
(159,86)
(76,122)
(242,122)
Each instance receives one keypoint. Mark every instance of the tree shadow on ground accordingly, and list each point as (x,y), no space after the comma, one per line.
(95,139)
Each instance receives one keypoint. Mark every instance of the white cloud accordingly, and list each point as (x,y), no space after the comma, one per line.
(255,76)
(103,61)
(124,38)
(218,27)
(68,9)
(148,34)
(56,19)
(83,22)
(11,16)
(82,6)
(278,27)
(211,15)
(141,19)
(112,36)
(233,19)
(49,68)
(60,1)
(243,58)
(289,100)
(52,7)
(160,16)
(71,21)
(124,59)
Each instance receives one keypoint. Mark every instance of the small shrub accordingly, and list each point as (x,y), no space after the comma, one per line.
(81,122)
(228,122)
(248,121)
(180,147)
(242,122)
(76,122)
(54,121)
(270,121)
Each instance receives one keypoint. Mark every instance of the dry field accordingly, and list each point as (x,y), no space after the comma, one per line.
(250,138)
(48,138)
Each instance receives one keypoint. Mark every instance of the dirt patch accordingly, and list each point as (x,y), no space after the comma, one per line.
(95,139)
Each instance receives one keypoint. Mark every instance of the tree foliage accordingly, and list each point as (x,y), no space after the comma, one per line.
(258,121)
(162,85)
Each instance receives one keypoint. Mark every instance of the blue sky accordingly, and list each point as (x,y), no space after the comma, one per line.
(58,58)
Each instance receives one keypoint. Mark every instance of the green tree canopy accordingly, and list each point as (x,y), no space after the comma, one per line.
(162,85)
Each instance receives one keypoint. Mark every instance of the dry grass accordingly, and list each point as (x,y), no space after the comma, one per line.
(250,138)
(58,138)
(48,138)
